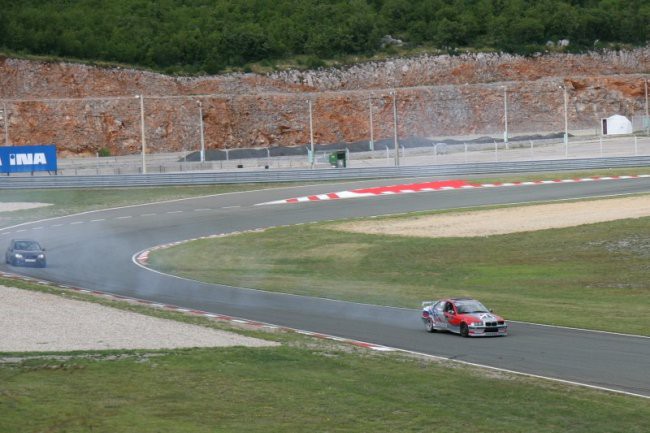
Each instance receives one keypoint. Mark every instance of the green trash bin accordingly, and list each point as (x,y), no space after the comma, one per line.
(338,159)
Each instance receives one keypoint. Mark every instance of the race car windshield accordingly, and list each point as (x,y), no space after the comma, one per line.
(27,246)
(470,307)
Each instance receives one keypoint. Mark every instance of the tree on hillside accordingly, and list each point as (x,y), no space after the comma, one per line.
(211,35)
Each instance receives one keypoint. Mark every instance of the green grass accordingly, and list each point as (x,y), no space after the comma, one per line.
(564,276)
(293,389)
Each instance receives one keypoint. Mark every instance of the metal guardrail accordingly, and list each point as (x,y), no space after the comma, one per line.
(267,176)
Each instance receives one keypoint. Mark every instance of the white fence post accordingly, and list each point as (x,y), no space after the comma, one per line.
(601,146)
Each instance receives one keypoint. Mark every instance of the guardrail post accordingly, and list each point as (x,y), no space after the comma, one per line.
(601,146)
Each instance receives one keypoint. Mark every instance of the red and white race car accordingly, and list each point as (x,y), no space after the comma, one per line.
(464,316)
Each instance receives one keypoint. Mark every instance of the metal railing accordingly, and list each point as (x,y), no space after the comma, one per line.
(319,174)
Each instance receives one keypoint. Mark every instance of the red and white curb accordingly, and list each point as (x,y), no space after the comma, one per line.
(142,259)
(194,312)
(441,185)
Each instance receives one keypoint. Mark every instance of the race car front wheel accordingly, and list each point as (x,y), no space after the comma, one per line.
(464,330)
(429,326)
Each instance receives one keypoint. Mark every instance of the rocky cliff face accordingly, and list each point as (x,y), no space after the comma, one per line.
(83,108)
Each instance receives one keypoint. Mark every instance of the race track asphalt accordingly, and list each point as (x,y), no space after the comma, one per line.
(94,251)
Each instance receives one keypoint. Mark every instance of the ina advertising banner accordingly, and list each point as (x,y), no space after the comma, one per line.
(20,159)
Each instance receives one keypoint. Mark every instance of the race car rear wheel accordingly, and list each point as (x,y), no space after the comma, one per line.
(464,330)
(429,326)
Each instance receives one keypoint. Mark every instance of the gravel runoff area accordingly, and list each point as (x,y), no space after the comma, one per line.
(507,220)
(35,321)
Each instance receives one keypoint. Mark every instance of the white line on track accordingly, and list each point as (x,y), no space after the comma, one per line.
(519,373)
(580,329)
(98,220)
(148,214)
(125,217)
(174,211)
(74,223)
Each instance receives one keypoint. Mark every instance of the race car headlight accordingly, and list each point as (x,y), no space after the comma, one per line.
(41,256)
(475,324)
(18,256)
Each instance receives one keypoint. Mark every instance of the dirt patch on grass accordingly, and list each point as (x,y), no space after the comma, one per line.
(507,220)
(12,206)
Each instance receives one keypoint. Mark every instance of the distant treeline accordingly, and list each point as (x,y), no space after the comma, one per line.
(194,36)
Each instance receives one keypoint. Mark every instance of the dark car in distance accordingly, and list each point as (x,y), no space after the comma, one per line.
(25,252)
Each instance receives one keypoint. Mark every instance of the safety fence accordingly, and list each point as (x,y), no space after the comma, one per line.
(384,155)
(318,174)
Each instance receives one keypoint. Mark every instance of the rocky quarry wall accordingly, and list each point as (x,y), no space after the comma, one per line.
(85,108)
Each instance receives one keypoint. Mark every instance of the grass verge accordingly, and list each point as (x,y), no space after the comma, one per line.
(303,385)
(580,174)
(293,389)
(566,276)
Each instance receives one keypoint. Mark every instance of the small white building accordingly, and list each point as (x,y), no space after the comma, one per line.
(616,124)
